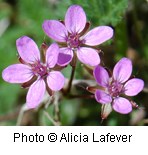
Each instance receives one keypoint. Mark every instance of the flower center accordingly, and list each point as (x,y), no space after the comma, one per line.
(73,41)
(115,88)
(39,69)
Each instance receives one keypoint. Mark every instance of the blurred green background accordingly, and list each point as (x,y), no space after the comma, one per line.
(129,19)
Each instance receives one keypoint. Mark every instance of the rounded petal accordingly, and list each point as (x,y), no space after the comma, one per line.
(122,70)
(88,56)
(27,49)
(133,86)
(52,55)
(35,93)
(98,35)
(101,76)
(75,19)
(55,30)
(122,105)
(55,80)
(17,73)
(102,97)
(65,56)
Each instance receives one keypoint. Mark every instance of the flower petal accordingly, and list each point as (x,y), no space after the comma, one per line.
(122,105)
(35,93)
(101,76)
(55,80)
(122,70)
(88,56)
(65,56)
(75,19)
(17,73)
(52,55)
(55,30)
(98,35)
(133,86)
(28,49)
(102,97)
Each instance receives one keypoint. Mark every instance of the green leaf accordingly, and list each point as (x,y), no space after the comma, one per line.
(8,97)
(99,12)
(69,110)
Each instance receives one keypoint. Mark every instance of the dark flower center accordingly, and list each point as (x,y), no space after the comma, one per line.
(39,69)
(73,41)
(115,88)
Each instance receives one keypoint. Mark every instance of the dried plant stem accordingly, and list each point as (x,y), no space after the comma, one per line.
(145,90)
(21,114)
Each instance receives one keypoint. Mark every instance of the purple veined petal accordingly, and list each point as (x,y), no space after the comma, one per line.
(122,105)
(122,70)
(55,80)
(35,93)
(98,35)
(65,56)
(52,55)
(17,73)
(55,30)
(27,49)
(101,76)
(75,19)
(133,86)
(102,97)
(88,56)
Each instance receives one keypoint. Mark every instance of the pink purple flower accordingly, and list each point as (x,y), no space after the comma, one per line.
(31,67)
(71,33)
(117,85)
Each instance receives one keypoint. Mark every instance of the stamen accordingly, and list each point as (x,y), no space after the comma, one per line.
(115,88)
(74,41)
(40,70)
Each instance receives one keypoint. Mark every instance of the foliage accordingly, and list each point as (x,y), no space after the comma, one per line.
(104,12)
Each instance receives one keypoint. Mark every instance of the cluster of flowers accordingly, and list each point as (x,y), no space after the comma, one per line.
(73,41)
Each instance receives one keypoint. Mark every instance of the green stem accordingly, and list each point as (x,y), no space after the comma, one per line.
(71,79)
(51,119)
(73,65)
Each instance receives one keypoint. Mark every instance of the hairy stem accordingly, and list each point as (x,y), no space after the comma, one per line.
(73,65)
(50,118)
(56,109)
(71,79)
